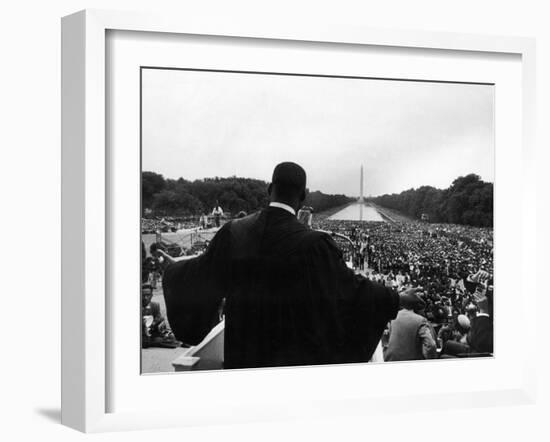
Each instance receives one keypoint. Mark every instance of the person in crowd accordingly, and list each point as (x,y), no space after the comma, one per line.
(153,269)
(363,245)
(155,330)
(462,327)
(410,335)
(204,221)
(480,337)
(144,265)
(453,336)
(290,299)
(218,213)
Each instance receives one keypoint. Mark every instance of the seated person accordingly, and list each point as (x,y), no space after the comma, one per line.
(155,330)
(152,268)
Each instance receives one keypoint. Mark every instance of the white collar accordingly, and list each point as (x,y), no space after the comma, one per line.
(283,206)
(482,314)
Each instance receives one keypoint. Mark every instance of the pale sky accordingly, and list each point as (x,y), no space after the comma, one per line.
(405,134)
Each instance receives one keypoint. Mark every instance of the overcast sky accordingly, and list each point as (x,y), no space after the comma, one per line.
(405,134)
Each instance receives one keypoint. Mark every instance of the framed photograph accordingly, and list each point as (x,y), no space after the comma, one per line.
(264,222)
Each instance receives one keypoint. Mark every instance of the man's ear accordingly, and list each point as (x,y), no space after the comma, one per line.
(302,196)
(269,188)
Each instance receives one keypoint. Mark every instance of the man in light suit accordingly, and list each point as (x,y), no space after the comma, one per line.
(410,336)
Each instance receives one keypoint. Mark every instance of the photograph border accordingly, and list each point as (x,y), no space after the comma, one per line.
(85,264)
(143,68)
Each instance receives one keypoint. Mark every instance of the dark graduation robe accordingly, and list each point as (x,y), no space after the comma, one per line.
(290,298)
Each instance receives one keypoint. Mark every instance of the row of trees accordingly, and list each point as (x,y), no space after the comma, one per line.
(469,200)
(321,201)
(168,197)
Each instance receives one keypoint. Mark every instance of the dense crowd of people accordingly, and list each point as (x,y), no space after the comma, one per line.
(439,259)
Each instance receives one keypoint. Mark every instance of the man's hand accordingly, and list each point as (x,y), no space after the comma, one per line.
(159,253)
(481,277)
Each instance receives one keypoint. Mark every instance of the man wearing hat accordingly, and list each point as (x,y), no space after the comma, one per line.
(411,336)
(290,298)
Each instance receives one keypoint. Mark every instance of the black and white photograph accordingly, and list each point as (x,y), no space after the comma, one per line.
(305,219)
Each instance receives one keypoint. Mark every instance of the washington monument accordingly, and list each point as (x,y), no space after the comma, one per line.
(358,210)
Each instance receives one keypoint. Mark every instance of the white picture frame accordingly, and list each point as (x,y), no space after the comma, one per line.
(85,213)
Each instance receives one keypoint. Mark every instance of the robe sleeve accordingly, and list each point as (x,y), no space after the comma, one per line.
(194,289)
(354,310)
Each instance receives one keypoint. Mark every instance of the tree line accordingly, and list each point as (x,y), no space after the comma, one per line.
(469,200)
(169,197)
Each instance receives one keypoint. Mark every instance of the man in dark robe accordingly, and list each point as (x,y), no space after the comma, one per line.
(289,297)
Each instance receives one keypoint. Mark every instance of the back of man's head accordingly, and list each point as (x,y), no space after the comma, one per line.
(288,183)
